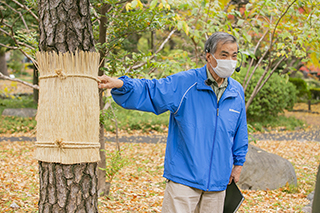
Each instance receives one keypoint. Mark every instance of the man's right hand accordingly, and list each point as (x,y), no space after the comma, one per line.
(109,83)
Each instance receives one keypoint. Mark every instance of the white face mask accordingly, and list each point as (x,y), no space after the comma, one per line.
(224,68)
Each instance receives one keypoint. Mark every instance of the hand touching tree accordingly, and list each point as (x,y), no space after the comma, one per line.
(109,82)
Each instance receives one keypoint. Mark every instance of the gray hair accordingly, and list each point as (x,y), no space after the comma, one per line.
(216,38)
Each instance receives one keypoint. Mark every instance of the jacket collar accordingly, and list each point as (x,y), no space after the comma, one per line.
(231,90)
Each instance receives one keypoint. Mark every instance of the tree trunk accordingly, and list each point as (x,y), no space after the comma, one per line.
(316,198)
(102,190)
(3,64)
(35,82)
(66,26)
(68,188)
(152,35)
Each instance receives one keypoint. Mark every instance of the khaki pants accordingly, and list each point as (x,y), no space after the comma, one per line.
(179,198)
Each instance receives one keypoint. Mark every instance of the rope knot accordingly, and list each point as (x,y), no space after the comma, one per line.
(61,74)
(59,143)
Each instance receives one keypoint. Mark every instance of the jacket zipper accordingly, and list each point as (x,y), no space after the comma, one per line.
(214,138)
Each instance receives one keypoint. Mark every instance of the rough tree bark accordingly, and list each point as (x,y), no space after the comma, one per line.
(66,26)
(68,188)
(3,64)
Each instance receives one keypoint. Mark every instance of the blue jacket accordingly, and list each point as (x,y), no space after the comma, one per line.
(205,138)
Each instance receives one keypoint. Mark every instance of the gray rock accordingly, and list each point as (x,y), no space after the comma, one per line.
(22,112)
(307,209)
(310,196)
(263,170)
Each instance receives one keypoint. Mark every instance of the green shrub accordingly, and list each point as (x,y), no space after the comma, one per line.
(275,96)
(312,83)
(114,163)
(302,88)
(297,74)
(315,93)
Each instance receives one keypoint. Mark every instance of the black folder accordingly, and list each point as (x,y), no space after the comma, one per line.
(233,199)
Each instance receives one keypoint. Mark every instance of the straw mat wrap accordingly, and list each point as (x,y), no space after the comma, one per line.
(68,109)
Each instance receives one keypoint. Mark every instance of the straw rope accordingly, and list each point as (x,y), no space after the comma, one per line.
(59,143)
(60,74)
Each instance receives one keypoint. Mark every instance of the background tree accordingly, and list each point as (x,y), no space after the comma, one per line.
(120,25)
(273,35)
(17,34)
(3,62)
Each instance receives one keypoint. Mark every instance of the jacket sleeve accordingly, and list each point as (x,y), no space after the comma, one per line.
(240,145)
(155,96)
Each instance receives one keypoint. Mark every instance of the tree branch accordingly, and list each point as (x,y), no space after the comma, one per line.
(5,32)
(274,68)
(19,81)
(195,49)
(14,10)
(227,6)
(8,47)
(2,17)
(26,45)
(160,48)
(278,21)
(152,70)
(207,18)
(18,43)
(12,37)
(258,85)
(28,9)
(253,71)
(95,14)
(254,52)
(123,37)
(117,128)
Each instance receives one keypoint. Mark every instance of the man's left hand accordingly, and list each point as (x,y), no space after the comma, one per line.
(235,174)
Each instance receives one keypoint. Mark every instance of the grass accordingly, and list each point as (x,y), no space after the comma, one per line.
(17,102)
(281,122)
(12,124)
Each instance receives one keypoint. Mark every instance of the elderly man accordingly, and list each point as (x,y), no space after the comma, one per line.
(207,139)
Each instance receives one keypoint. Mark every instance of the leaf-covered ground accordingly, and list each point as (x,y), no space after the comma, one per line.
(139,187)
